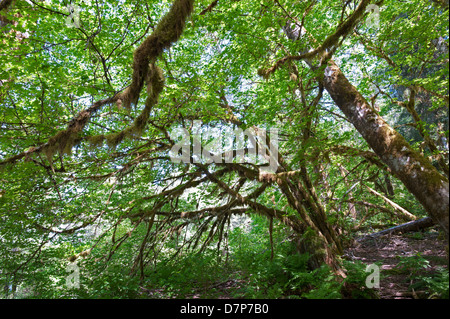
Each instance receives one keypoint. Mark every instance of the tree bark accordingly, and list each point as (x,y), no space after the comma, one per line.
(419,176)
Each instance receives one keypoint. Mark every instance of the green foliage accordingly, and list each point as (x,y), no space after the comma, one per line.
(436,284)
(188,275)
(412,264)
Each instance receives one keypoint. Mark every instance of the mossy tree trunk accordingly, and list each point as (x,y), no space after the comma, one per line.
(416,172)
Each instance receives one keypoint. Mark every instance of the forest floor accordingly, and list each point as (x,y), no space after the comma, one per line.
(408,263)
(412,266)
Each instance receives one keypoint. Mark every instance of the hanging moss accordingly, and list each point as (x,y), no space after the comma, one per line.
(155,85)
(49,151)
(171,25)
(262,72)
(68,147)
(168,31)
(96,140)
(114,139)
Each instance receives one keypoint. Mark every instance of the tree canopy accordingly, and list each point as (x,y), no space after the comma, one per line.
(349,100)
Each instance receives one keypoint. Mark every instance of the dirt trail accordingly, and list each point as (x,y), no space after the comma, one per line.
(387,251)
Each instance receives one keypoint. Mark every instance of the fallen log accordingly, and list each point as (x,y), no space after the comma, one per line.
(415,225)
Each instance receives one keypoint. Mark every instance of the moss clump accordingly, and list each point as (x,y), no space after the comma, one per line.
(264,73)
(112,140)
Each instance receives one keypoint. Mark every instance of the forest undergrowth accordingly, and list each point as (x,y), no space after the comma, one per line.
(412,266)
